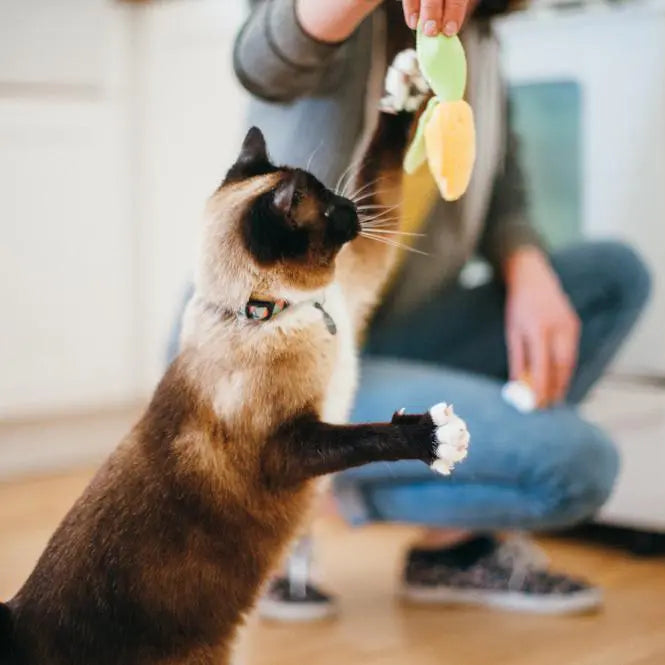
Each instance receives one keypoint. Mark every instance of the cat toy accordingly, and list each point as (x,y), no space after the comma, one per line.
(445,136)
(520,395)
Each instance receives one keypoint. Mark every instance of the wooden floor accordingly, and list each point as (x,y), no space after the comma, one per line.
(374,629)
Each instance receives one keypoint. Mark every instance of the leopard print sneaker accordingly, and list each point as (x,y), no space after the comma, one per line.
(509,575)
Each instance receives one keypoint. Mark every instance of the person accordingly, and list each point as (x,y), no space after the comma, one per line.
(310,66)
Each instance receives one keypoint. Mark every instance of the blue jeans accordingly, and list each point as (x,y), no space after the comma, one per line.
(547,469)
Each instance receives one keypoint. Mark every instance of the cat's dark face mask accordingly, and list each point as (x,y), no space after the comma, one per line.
(298,221)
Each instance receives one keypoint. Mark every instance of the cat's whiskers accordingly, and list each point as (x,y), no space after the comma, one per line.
(365,187)
(369,195)
(384,224)
(342,175)
(339,190)
(382,215)
(372,214)
(348,176)
(394,232)
(393,243)
(375,206)
(385,218)
(311,157)
(352,180)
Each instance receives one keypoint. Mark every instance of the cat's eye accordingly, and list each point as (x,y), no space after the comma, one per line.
(297,197)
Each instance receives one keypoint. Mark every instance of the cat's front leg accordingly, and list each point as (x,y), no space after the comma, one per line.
(306,447)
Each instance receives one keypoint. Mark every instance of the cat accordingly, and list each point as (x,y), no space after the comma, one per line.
(164,553)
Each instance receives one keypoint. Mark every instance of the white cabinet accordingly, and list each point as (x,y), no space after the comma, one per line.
(66,258)
(53,45)
(191,115)
(67,254)
(117,121)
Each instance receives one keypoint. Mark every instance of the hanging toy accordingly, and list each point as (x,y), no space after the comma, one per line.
(445,135)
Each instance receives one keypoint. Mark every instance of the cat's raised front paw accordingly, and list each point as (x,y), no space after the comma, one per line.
(451,438)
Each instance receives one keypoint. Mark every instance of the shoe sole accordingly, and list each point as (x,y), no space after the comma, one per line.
(580,602)
(295,612)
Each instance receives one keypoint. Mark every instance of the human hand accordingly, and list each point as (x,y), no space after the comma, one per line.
(542,328)
(334,20)
(436,16)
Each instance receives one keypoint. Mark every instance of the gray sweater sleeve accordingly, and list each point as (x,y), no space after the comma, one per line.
(508,224)
(274,58)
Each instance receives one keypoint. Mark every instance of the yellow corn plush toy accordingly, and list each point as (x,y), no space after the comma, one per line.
(446,135)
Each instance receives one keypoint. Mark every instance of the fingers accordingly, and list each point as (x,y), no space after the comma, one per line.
(431,16)
(411,10)
(435,16)
(551,358)
(453,16)
(538,360)
(516,355)
(562,367)
(548,357)
(564,346)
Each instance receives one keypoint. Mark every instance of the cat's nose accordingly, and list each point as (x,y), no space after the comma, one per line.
(343,219)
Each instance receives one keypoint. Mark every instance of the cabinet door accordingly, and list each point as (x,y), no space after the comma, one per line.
(192,113)
(65,258)
(51,44)
(67,340)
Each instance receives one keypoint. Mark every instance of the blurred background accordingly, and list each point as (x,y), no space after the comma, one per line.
(118,119)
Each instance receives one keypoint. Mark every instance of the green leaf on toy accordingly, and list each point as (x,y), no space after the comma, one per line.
(443,64)
(417,154)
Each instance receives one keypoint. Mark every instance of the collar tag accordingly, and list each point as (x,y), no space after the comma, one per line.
(327,319)
(262,310)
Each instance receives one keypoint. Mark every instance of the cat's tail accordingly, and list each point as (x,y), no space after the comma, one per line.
(7,645)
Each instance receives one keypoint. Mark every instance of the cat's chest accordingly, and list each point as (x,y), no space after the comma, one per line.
(343,378)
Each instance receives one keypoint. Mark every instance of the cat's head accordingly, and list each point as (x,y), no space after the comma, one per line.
(270,230)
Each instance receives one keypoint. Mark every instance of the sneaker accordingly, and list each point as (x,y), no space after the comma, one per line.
(509,575)
(293,596)
(282,602)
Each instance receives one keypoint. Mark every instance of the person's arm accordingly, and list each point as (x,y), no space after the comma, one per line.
(542,327)
(286,46)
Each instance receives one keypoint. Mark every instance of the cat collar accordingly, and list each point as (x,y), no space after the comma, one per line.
(264,310)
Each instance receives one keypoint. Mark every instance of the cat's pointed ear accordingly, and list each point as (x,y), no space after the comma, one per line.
(253,147)
(253,159)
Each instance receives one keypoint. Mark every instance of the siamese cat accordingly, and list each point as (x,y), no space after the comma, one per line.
(164,553)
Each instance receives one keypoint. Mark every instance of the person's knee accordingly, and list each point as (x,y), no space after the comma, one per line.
(578,477)
(627,270)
